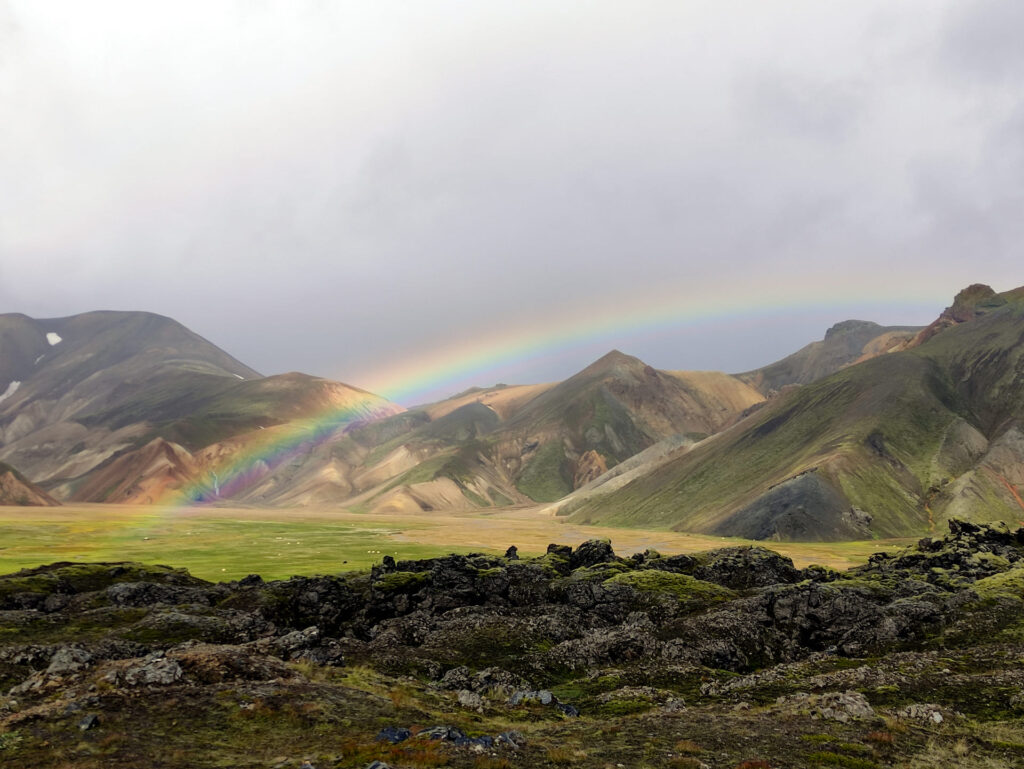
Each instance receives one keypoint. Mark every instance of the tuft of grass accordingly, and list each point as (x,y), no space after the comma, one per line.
(816,739)
(826,758)
(625,707)
(688,747)
(400,696)
(560,756)
(939,755)
(491,762)
(9,741)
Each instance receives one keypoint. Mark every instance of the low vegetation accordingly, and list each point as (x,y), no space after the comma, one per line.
(579,657)
(224,543)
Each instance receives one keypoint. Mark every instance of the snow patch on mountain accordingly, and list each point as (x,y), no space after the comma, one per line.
(53,338)
(11,389)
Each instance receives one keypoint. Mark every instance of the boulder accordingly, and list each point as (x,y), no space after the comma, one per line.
(68,659)
(153,670)
(746,567)
(470,700)
(591,553)
(393,734)
(922,713)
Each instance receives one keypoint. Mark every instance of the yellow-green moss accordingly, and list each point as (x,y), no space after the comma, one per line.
(683,586)
(402,581)
(1009,584)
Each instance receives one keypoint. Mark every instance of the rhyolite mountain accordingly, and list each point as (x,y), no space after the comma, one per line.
(538,443)
(543,442)
(16,489)
(844,344)
(891,446)
(873,431)
(132,391)
(130,407)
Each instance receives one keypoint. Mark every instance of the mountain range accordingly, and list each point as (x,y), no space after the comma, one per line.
(891,446)
(871,431)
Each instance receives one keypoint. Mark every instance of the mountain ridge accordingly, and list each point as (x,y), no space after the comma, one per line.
(826,443)
(888,447)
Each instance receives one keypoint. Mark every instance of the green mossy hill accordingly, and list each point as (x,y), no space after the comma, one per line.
(884,448)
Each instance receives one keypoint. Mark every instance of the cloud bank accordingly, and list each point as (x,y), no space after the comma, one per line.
(333,187)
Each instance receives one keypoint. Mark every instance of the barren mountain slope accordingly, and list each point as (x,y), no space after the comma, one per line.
(113,406)
(15,489)
(297,452)
(80,387)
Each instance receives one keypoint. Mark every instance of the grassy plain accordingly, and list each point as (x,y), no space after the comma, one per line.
(228,543)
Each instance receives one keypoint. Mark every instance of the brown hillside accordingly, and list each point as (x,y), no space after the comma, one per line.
(15,489)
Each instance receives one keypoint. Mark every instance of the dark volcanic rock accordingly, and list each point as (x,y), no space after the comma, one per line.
(500,637)
(742,568)
(591,553)
(393,734)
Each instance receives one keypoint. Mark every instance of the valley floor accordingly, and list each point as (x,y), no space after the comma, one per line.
(228,543)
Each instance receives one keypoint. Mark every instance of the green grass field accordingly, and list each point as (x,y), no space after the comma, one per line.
(228,543)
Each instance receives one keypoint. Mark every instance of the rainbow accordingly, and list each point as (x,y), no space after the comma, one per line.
(273,447)
(473,361)
(552,334)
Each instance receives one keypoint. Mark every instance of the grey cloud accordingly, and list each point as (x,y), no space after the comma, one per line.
(973,204)
(333,187)
(983,40)
(804,108)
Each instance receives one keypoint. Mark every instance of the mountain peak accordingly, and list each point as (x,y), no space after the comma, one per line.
(973,301)
(852,326)
(970,303)
(613,362)
(616,356)
(16,489)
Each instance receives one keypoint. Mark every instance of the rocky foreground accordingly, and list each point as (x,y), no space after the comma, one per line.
(731,658)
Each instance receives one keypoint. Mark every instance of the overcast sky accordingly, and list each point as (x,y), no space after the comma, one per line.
(343,188)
